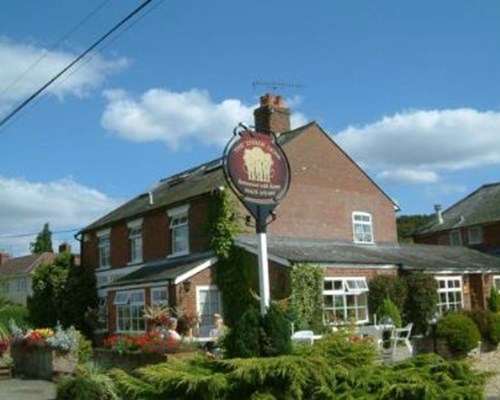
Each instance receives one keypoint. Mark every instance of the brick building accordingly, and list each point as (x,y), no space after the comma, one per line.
(154,249)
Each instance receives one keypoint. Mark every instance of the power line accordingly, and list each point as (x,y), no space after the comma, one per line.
(75,61)
(54,46)
(21,235)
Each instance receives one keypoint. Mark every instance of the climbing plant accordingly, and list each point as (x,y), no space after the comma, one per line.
(307,296)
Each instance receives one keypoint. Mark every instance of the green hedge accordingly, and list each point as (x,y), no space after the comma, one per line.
(460,332)
(18,313)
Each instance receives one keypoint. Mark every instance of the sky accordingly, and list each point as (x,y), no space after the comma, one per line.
(410,89)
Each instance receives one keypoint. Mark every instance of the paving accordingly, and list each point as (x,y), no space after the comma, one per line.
(20,389)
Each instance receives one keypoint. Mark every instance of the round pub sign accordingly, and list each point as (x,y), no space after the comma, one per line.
(256,168)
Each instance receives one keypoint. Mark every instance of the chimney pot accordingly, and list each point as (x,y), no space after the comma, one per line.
(272,116)
(4,257)
(439,214)
(64,247)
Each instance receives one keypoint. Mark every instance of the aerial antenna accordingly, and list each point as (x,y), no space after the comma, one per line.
(274,85)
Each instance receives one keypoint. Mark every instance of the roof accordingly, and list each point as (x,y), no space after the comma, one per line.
(480,207)
(187,184)
(413,257)
(26,264)
(170,269)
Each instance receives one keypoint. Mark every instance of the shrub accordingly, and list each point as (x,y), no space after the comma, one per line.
(421,300)
(243,340)
(494,300)
(16,312)
(277,333)
(482,320)
(389,309)
(460,332)
(384,286)
(85,350)
(90,383)
(494,328)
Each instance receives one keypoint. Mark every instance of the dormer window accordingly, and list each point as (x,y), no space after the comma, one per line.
(135,238)
(362,227)
(104,246)
(179,230)
(475,235)
(455,238)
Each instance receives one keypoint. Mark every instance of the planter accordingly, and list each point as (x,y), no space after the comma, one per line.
(5,373)
(42,362)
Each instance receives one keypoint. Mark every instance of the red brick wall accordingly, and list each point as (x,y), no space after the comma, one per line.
(326,187)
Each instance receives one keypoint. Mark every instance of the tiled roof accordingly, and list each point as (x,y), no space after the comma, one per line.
(479,207)
(419,257)
(164,270)
(187,184)
(25,264)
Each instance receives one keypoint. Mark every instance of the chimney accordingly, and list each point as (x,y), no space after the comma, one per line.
(64,247)
(439,214)
(4,257)
(272,116)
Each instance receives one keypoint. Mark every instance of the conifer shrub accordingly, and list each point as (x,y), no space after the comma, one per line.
(89,383)
(243,340)
(460,333)
(389,309)
(482,320)
(494,328)
(494,299)
(276,332)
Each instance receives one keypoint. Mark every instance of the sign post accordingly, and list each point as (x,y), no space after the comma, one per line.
(259,174)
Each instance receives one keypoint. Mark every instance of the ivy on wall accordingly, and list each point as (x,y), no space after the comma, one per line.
(236,274)
(307,296)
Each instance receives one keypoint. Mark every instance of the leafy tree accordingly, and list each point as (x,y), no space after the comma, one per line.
(43,241)
(45,306)
(408,224)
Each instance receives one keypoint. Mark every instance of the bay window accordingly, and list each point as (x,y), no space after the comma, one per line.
(345,300)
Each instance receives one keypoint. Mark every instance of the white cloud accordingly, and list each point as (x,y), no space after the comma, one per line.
(25,206)
(416,146)
(176,117)
(26,67)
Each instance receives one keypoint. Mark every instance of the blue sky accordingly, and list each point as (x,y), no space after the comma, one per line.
(409,89)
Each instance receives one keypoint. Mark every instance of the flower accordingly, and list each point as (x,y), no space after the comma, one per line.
(157,315)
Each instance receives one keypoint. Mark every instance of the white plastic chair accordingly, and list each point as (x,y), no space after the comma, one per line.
(402,335)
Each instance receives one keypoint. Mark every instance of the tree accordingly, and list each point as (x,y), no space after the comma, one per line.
(80,295)
(43,241)
(408,224)
(49,288)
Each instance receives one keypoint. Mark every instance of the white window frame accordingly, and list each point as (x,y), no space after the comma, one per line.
(458,236)
(447,290)
(206,319)
(102,313)
(363,223)
(475,238)
(496,282)
(104,246)
(135,241)
(161,301)
(354,289)
(130,311)
(179,222)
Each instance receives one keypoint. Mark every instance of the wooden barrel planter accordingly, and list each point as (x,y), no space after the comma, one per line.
(42,362)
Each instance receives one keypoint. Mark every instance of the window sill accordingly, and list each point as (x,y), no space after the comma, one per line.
(136,262)
(106,268)
(182,253)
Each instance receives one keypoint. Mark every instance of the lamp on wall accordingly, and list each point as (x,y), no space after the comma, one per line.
(186,285)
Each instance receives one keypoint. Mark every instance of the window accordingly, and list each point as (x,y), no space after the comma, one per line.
(135,237)
(130,311)
(345,300)
(455,238)
(102,314)
(475,235)
(159,296)
(496,282)
(22,284)
(362,227)
(6,286)
(179,228)
(104,248)
(208,303)
(449,294)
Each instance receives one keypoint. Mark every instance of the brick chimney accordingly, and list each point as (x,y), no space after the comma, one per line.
(4,257)
(64,247)
(272,116)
